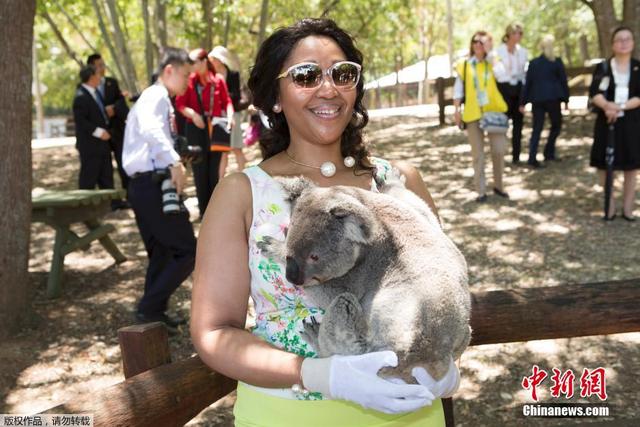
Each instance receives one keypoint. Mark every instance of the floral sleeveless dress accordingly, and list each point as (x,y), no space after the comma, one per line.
(281,307)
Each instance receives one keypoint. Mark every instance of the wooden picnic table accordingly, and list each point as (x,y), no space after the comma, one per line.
(60,209)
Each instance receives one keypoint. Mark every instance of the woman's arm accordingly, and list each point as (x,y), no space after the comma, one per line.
(416,184)
(221,290)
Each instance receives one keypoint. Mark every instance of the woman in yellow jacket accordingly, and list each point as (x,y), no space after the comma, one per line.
(476,88)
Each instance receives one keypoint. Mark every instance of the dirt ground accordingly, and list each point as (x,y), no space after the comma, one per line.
(549,233)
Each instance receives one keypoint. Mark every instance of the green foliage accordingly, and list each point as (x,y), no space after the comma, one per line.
(390,33)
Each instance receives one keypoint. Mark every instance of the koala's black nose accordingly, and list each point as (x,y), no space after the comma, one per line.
(294,274)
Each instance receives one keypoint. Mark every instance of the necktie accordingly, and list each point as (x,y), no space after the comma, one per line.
(100,102)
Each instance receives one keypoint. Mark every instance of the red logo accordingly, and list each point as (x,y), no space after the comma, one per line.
(530,383)
(562,383)
(593,382)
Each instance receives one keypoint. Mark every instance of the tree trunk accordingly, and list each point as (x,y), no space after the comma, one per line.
(207,16)
(606,21)
(121,46)
(584,49)
(264,17)
(161,24)
(107,41)
(227,28)
(37,93)
(148,44)
(450,34)
(16,33)
(568,60)
(60,37)
(631,18)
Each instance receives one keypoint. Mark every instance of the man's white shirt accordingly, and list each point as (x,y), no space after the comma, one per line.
(148,144)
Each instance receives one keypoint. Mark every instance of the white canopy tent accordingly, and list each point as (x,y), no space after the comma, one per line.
(438,66)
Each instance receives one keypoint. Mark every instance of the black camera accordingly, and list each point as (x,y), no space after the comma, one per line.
(171,202)
(188,153)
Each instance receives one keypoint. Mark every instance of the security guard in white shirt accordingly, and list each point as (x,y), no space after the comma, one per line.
(149,153)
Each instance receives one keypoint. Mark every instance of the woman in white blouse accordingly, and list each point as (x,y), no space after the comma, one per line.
(509,67)
(615,90)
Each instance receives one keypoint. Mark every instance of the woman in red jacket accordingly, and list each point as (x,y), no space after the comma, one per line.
(206,97)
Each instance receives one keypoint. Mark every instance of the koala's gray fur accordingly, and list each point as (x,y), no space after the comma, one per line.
(388,276)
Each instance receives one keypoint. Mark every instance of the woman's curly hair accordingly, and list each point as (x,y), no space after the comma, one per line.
(262,83)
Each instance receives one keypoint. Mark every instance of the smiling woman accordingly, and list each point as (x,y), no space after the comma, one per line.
(307,80)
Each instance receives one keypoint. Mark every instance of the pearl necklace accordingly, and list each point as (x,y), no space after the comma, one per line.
(327,169)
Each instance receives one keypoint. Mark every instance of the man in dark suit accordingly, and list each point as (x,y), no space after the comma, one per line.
(92,136)
(117,110)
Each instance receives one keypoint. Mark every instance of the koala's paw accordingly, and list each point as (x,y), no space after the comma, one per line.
(344,327)
(271,248)
(310,332)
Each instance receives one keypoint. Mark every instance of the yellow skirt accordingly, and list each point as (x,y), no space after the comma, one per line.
(256,409)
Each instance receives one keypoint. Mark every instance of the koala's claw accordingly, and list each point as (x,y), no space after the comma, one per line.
(311,331)
(270,247)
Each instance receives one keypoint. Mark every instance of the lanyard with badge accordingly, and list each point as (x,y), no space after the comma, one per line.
(483,98)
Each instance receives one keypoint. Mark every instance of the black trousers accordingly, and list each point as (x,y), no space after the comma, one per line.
(511,95)
(95,170)
(539,110)
(116,144)
(205,172)
(169,241)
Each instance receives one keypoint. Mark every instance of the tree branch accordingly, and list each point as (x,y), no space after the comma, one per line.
(107,41)
(60,37)
(328,8)
(121,45)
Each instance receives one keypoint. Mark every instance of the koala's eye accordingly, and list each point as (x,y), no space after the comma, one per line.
(313,257)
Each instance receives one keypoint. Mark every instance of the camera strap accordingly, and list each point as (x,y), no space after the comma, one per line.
(209,114)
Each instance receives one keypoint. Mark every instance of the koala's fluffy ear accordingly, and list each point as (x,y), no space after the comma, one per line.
(293,187)
(358,222)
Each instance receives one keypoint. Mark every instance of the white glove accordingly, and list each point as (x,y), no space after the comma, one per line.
(445,387)
(355,378)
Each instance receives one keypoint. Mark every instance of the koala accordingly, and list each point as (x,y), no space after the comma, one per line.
(383,269)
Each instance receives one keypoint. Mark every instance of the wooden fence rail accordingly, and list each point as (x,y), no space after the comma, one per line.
(157,393)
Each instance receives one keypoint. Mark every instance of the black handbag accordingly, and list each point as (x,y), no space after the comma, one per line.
(220,139)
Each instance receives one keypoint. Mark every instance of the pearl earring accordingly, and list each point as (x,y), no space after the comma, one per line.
(349,161)
(277,108)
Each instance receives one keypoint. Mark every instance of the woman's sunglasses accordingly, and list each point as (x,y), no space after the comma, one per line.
(343,75)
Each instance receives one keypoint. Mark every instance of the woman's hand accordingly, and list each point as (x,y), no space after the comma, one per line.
(611,111)
(197,120)
(457,118)
(355,378)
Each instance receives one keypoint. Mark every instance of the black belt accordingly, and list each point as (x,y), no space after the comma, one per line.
(141,174)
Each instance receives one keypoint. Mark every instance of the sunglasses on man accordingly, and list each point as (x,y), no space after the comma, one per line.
(343,75)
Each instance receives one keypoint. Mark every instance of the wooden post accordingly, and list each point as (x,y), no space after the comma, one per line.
(143,347)
(447,407)
(441,105)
